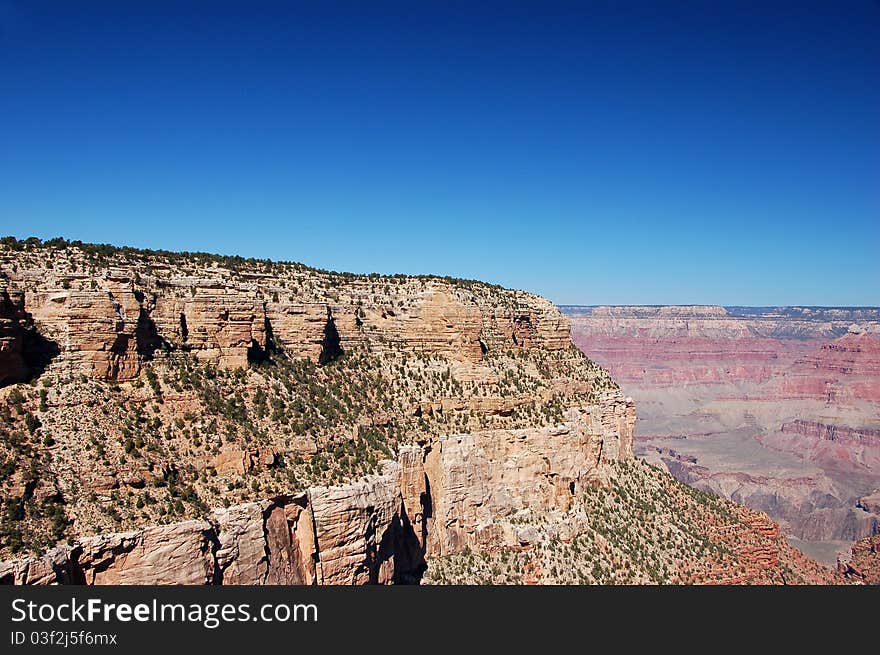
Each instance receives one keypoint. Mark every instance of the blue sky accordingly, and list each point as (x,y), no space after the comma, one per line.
(593,152)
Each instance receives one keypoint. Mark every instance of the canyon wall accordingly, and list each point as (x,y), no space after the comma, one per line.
(777,408)
(199,419)
(420,415)
(454,493)
(106,325)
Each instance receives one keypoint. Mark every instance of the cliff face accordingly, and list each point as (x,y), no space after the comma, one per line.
(455,493)
(107,321)
(13,330)
(532,502)
(416,518)
(774,407)
(197,419)
(180,382)
(24,352)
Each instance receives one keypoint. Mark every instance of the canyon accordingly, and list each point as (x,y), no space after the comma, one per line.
(187,418)
(775,408)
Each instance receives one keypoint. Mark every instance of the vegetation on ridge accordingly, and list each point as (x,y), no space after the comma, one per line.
(100,254)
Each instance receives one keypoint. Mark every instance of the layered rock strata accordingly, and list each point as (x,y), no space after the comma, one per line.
(107,324)
(773,407)
(346,429)
(456,492)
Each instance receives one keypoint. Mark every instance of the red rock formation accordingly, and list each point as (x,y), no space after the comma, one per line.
(781,375)
(763,556)
(847,436)
(470,356)
(863,564)
(457,493)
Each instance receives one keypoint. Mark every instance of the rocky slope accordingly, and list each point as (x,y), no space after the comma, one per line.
(862,563)
(776,408)
(456,492)
(642,528)
(190,418)
(433,516)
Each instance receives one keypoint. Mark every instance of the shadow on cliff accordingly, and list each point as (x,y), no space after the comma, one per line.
(331,347)
(146,333)
(38,354)
(27,353)
(399,544)
(259,354)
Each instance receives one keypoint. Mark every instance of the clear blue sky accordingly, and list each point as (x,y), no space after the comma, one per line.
(594,152)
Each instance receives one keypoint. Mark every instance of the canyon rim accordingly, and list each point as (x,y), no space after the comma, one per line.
(185,418)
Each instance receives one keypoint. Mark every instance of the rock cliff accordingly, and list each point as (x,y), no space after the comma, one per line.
(773,407)
(522,502)
(200,419)
(14,328)
(862,564)
(109,315)
(454,493)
